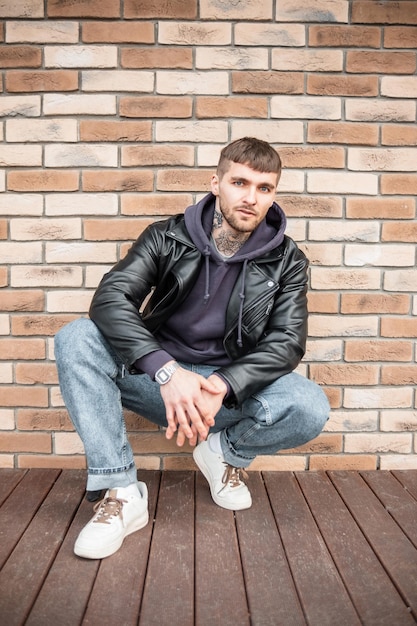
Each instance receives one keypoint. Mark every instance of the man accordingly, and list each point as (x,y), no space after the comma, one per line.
(211,357)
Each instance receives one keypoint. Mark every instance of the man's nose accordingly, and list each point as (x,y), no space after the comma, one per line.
(250,196)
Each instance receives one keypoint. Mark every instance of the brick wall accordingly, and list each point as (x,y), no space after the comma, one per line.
(112,114)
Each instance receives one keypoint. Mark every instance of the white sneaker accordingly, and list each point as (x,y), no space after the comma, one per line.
(119,514)
(227,483)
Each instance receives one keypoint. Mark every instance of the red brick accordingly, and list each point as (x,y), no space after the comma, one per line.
(23,300)
(344,462)
(377,12)
(48,461)
(3,277)
(39,324)
(229,106)
(154,204)
(3,229)
(344,133)
(336,36)
(136,422)
(306,157)
(334,396)
(49,80)
(330,85)
(22,396)
(165,9)
(380,208)
(25,349)
(405,184)
(155,443)
(399,374)
(33,373)
(344,374)
(121,180)
(91,130)
(399,134)
(268,82)
(365,62)
(20,56)
(114,230)
(156,106)
(323,302)
(398,327)
(179,463)
(183,180)
(378,350)
(163,58)
(84,8)
(375,303)
(1,31)
(45,419)
(118,32)
(157,155)
(42,180)
(400,37)
(399,231)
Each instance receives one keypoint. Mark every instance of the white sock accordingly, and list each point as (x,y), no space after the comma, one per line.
(214,443)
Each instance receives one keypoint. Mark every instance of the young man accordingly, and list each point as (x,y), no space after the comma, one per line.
(211,357)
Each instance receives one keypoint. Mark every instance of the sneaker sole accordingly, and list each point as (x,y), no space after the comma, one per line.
(240,506)
(93,553)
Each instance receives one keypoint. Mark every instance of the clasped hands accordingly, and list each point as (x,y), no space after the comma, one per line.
(192,403)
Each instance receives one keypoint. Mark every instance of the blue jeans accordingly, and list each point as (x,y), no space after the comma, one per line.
(96,386)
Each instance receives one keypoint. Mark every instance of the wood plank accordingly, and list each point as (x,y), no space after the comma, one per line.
(271,603)
(323,596)
(41,541)
(395,551)
(220,591)
(65,592)
(21,506)
(170,574)
(399,503)
(408,478)
(9,479)
(374,596)
(118,588)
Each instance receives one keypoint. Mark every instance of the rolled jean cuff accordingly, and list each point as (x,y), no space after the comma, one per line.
(111,478)
(230,455)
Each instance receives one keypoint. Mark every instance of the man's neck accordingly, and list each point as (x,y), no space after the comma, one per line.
(228,241)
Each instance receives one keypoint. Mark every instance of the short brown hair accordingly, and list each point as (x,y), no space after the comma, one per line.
(257,154)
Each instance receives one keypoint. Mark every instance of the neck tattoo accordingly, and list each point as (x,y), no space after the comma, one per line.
(227,243)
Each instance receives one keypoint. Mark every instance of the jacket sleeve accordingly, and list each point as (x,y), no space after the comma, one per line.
(281,345)
(116,304)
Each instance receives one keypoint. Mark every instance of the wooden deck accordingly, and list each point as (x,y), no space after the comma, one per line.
(335,548)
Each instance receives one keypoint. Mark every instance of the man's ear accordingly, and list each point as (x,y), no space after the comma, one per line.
(214,185)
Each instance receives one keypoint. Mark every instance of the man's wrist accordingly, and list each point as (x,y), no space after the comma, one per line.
(165,373)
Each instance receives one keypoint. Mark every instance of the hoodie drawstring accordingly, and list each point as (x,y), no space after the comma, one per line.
(207,283)
(242,300)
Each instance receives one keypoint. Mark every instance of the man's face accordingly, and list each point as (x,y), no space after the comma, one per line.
(244,195)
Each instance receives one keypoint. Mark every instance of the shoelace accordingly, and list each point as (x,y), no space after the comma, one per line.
(234,476)
(108,508)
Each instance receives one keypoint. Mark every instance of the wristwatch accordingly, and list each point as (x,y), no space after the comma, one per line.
(164,374)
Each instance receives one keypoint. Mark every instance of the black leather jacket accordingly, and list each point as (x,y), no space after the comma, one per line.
(165,263)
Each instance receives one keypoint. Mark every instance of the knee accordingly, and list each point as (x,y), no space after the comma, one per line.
(70,337)
(315,413)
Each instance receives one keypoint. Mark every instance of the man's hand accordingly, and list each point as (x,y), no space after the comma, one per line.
(191,403)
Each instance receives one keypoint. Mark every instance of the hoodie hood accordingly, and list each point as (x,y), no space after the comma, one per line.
(266,237)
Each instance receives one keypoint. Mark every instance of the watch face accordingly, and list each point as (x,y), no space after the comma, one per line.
(162,376)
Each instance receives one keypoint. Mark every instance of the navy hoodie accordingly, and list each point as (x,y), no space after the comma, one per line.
(195,332)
